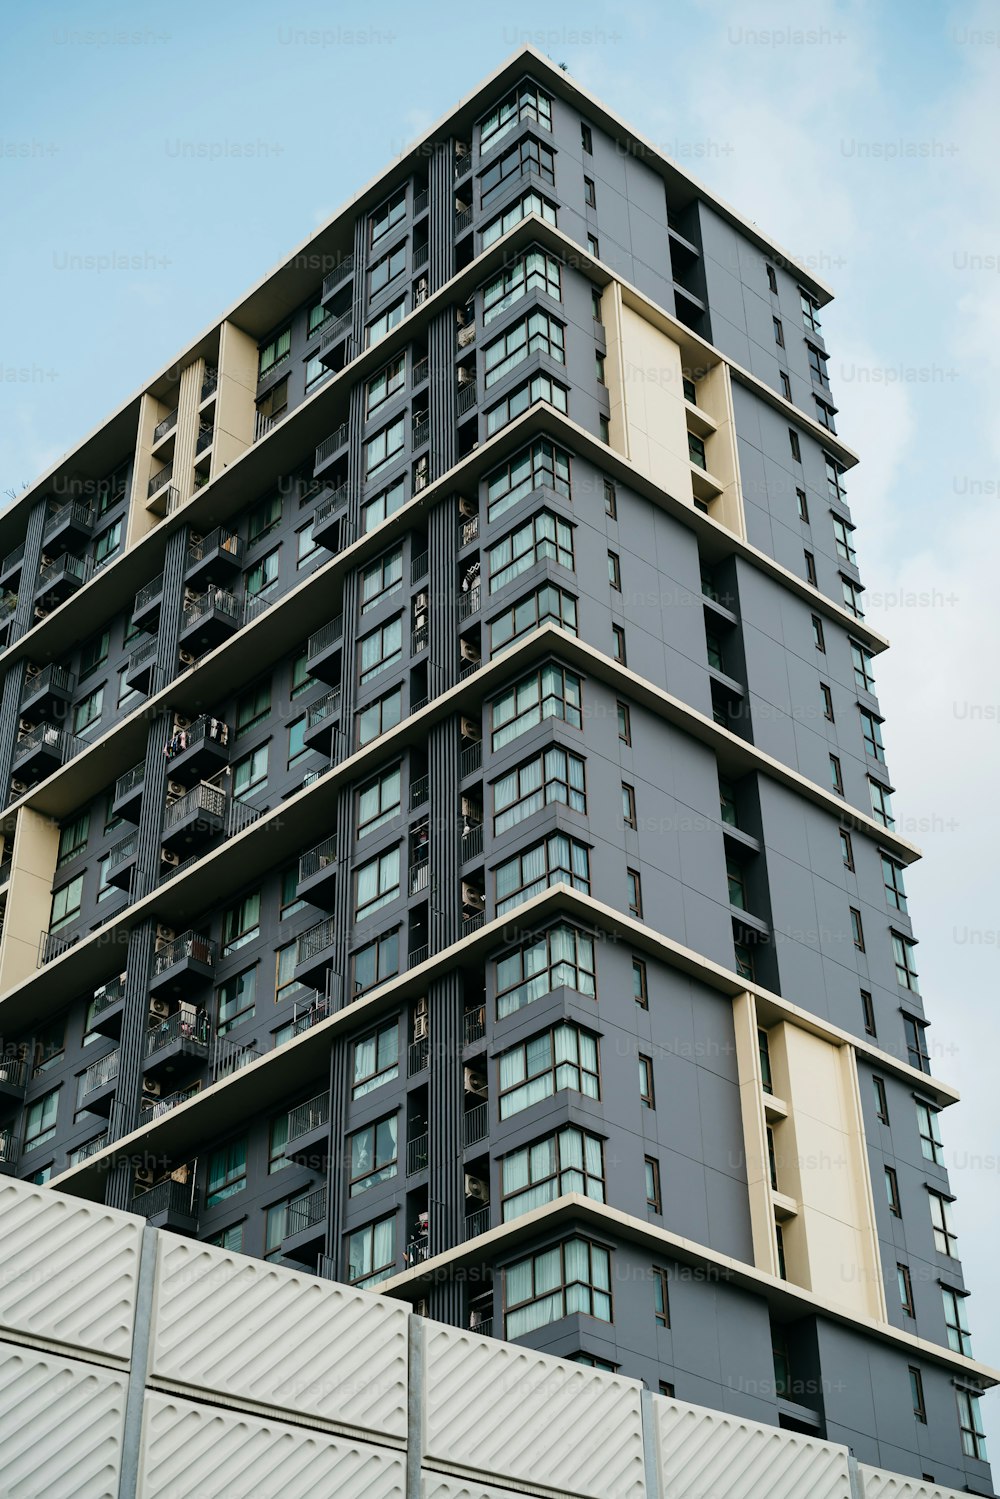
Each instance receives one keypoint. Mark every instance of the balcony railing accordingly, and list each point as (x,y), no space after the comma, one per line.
(215,601)
(471,758)
(316,940)
(68,565)
(472,923)
(12,558)
(419,257)
(419,202)
(143,654)
(333,502)
(81,515)
(305,1212)
(209,383)
(309,1013)
(474,1024)
(60,742)
(13,1071)
(420,371)
(469,602)
(189,945)
(108,996)
(221,540)
(159,480)
(472,842)
(465,396)
(416,1154)
(312,1114)
(419,791)
(166,1197)
(468,529)
(418,640)
(54,944)
(183,1025)
(168,423)
(8,605)
(99,1074)
(203,798)
(327,707)
(478,1222)
(476,1124)
(153,1108)
(330,444)
(419,874)
(51,678)
(147,594)
(337,330)
(463,220)
(420,432)
(418,1056)
(121,852)
(85,1151)
(9,1146)
(325,638)
(318,858)
(338,275)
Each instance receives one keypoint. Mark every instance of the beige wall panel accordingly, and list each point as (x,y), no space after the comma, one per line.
(29,896)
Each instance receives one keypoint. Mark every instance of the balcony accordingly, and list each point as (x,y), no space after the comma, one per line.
(70,527)
(468,529)
(475,1125)
(196,753)
(305,1227)
(41,750)
(474,1025)
(122,859)
(463,221)
(419,639)
(209,619)
(178,1042)
(314,950)
(318,874)
(420,432)
(417,1250)
(165,501)
(214,557)
(195,818)
(321,721)
(206,436)
(161,429)
(469,603)
(9,1151)
(10,567)
(465,397)
(45,690)
(13,1081)
(337,276)
(471,759)
(107,1008)
(170,1205)
(308,1141)
(330,521)
(330,447)
(159,481)
(126,800)
(324,652)
(418,1056)
(98,1085)
(419,876)
(209,384)
(179,960)
(142,665)
(335,334)
(8,608)
(418,955)
(416,1154)
(60,577)
(472,843)
(155,1108)
(478,1222)
(146,609)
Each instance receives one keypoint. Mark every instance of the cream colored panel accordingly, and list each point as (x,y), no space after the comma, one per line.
(193,1451)
(754,1134)
(704,1454)
(68,1270)
(29,896)
(530,1418)
(140,518)
(876,1484)
(235,403)
(651,402)
(188,401)
(260,1334)
(61,1425)
(715,396)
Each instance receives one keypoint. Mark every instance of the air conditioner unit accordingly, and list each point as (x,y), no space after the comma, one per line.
(422,1307)
(422,1006)
(169,857)
(420,1028)
(191,596)
(160,1008)
(476,1188)
(422,601)
(470,729)
(19,787)
(150,1087)
(180,722)
(176,788)
(145,1176)
(195,538)
(471,897)
(466,376)
(470,809)
(466,508)
(468,651)
(40,612)
(25,725)
(186,658)
(475,1082)
(164,934)
(31,670)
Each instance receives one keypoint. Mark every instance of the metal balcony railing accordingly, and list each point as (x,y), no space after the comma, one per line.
(312,1114)
(420,432)
(182,1025)
(473,923)
(80,514)
(327,707)
(153,1108)
(8,604)
(9,1146)
(419,875)
(419,567)
(69,565)
(168,423)
(12,558)
(478,1222)
(420,371)
(418,640)
(203,729)
(474,1024)
(305,1212)
(469,602)
(46,736)
(468,529)
(202,798)
(215,601)
(121,852)
(209,383)
(53,676)
(108,996)
(476,1124)
(465,396)
(471,758)
(417,1250)
(416,1154)
(323,639)
(418,1056)
(147,594)
(337,331)
(419,257)
(13,1071)
(221,539)
(335,501)
(91,1147)
(159,479)
(231,1056)
(419,202)
(318,858)
(463,220)
(330,444)
(309,1013)
(130,780)
(53,944)
(463,164)
(189,945)
(419,791)
(99,1073)
(472,842)
(338,275)
(143,654)
(316,940)
(166,1197)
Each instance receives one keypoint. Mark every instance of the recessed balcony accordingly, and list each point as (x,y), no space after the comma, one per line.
(317,879)
(218,555)
(321,721)
(209,619)
(141,666)
(197,752)
(60,577)
(330,448)
(169,1204)
(308,1141)
(314,951)
(305,1227)
(99,1084)
(146,609)
(330,519)
(107,1008)
(341,272)
(164,428)
(126,800)
(194,818)
(334,335)
(45,690)
(9,1151)
(158,483)
(180,962)
(325,652)
(178,1043)
(69,527)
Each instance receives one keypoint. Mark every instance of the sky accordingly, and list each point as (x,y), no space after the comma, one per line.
(156,161)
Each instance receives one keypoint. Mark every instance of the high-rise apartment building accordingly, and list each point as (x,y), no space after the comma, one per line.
(448,840)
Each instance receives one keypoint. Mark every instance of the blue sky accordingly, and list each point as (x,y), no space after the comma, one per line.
(201,142)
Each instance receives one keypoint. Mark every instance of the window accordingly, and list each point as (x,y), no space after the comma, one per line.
(764,1054)
(285,983)
(569,1161)
(834,476)
(917,1394)
(589,192)
(525,103)
(542,538)
(902,952)
(881,803)
(66,903)
(817,366)
(786,385)
(107,543)
(556,860)
(301,680)
(827,696)
(376,963)
(227,1172)
(537,334)
(548,693)
(971,1424)
(40,1120)
(696,450)
(390,379)
(385,322)
(230,1238)
(599,367)
(94,653)
(737,885)
(772,280)
(868,1013)
(871,731)
(560,958)
(381,578)
(262,578)
(547,605)
(818,640)
(387,216)
(661,1297)
(316,372)
(535,271)
(373,1155)
(297,746)
(862,660)
(624,723)
(277,1139)
(628,805)
(540,387)
(586,139)
(881,1102)
(646,1095)
(376,1059)
(772,1162)
(264,518)
(274,353)
(745,966)
(528,155)
(241,923)
(305,545)
(905,1289)
(379,801)
(384,446)
(916,1043)
(237,999)
(531,202)
(825,414)
(847,849)
(842,536)
(289,902)
(552,776)
(892,878)
(571,1277)
(652,1173)
(618,643)
(803,505)
(810,309)
(852,595)
(930,1134)
(666,1388)
(377,510)
(371,1252)
(593,246)
(87,712)
(779,332)
(793,442)
(377,884)
(387,269)
(956,1321)
(563,1057)
(250,773)
(542,465)
(73,838)
(836,775)
(253,706)
(381,716)
(810,561)
(610,500)
(857,930)
(892,1192)
(640,988)
(381,649)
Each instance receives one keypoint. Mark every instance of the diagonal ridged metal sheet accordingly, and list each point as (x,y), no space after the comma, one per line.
(877,1484)
(706,1454)
(68,1270)
(441,1486)
(530,1418)
(262,1335)
(191,1450)
(61,1425)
